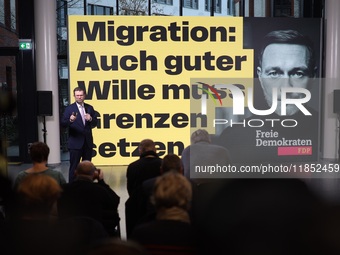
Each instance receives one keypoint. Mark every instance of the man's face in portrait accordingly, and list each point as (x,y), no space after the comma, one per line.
(79,96)
(284,65)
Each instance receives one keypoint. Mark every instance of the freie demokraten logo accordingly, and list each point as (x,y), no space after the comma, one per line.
(236,92)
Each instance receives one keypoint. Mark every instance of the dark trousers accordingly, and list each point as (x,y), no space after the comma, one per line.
(75,156)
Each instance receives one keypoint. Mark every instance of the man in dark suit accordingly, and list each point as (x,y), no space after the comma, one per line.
(90,196)
(79,118)
(146,167)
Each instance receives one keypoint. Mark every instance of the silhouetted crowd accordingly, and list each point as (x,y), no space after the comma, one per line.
(166,213)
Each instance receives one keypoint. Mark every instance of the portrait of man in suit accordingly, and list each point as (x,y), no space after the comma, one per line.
(286,70)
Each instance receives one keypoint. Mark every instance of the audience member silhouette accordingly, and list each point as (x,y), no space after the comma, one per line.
(76,235)
(7,197)
(90,196)
(256,216)
(39,153)
(171,232)
(146,167)
(114,246)
(31,229)
(202,154)
(171,162)
(37,197)
(7,202)
(322,236)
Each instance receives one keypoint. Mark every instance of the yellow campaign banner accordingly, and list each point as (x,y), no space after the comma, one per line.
(137,73)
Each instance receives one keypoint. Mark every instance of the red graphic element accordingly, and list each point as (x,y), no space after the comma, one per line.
(298,150)
(214,91)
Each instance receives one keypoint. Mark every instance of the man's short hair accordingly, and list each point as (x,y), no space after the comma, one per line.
(39,152)
(85,167)
(79,89)
(147,145)
(289,37)
(200,135)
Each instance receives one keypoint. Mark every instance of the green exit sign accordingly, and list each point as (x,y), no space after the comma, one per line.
(25,44)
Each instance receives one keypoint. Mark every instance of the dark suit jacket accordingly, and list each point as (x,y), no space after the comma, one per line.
(78,133)
(146,167)
(86,198)
(137,172)
(166,237)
